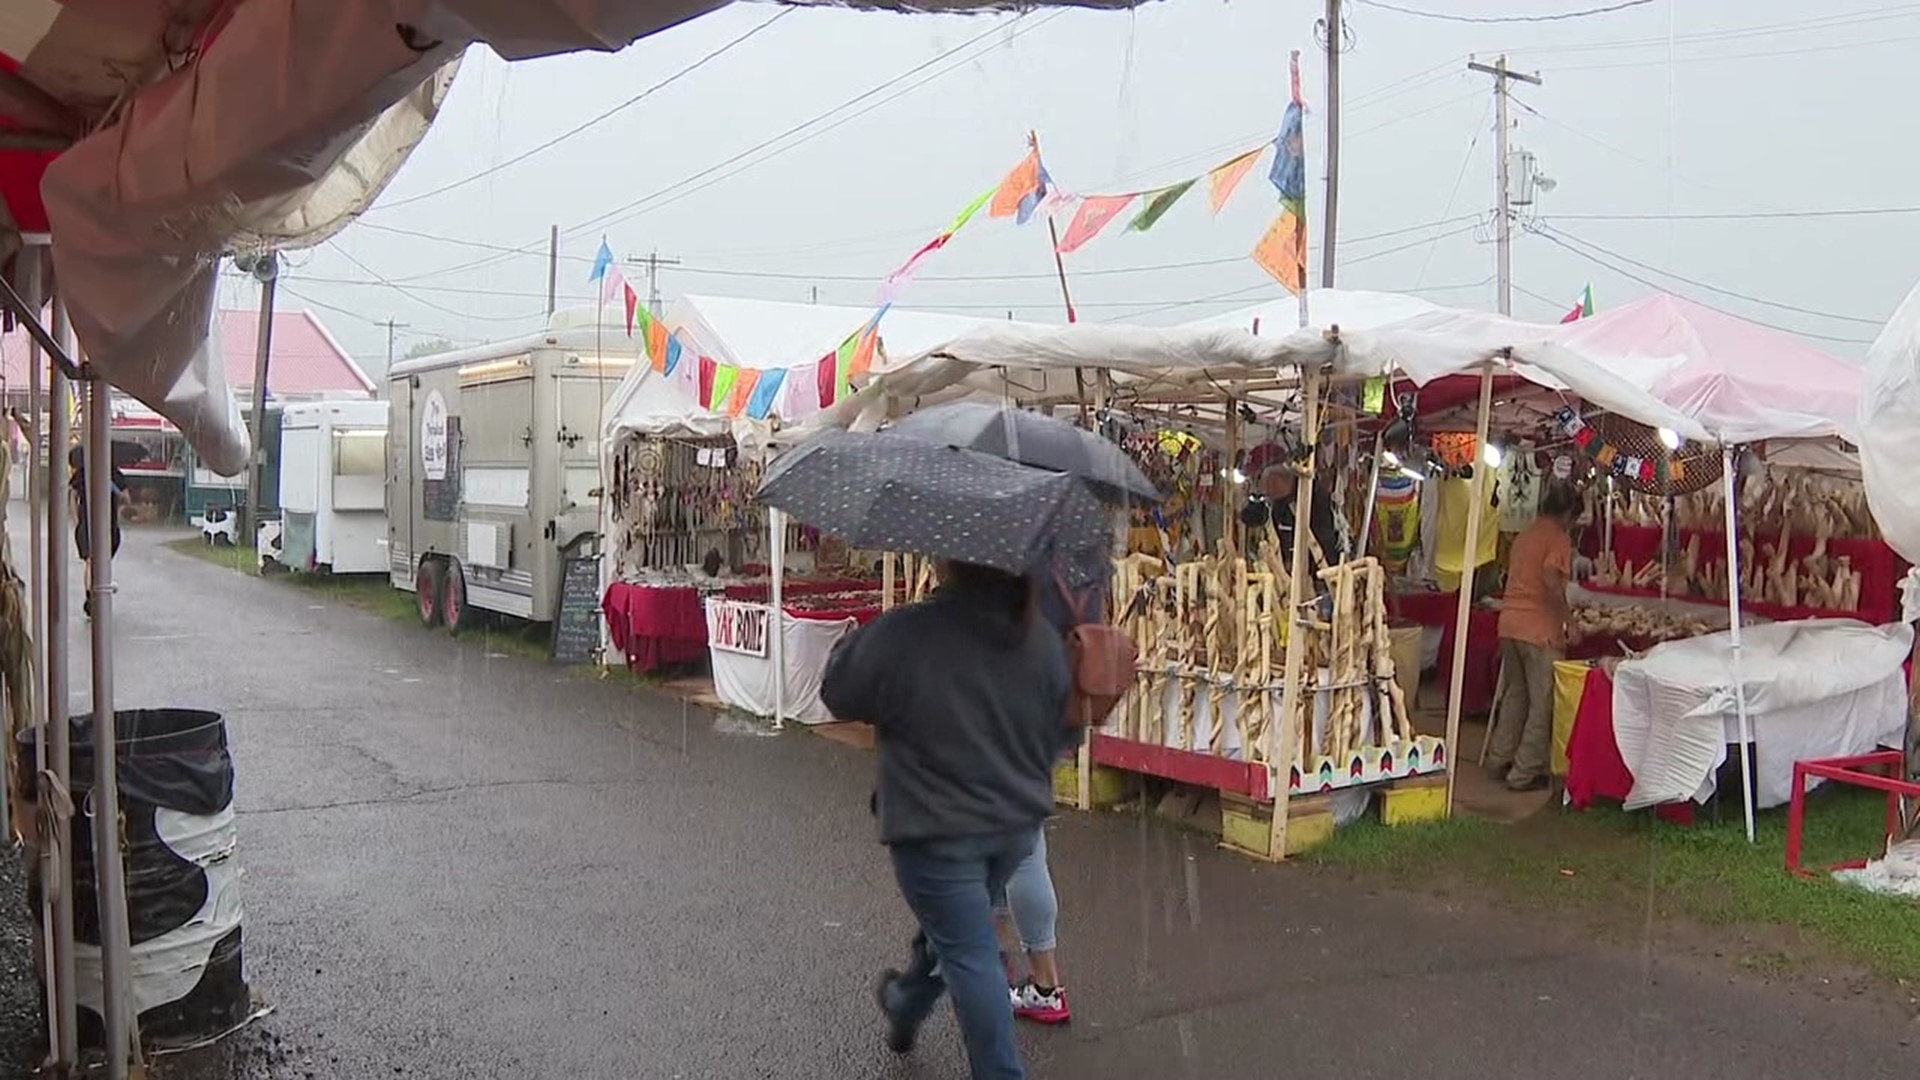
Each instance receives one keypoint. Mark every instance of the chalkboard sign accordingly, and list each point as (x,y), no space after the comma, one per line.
(441,498)
(576,625)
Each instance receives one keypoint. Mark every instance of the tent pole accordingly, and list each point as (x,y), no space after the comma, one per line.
(121,1037)
(777,621)
(58,706)
(1728,456)
(1365,538)
(1287,737)
(1469,562)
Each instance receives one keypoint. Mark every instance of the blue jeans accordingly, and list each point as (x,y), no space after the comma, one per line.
(1030,899)
(950,885)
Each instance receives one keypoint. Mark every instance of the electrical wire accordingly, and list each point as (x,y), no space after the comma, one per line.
(1651,284)
(416,298)
(1459,178)
(1550,232)
(608,114)
(1560,16)
(1741,215)
(1796,26)
(678,190)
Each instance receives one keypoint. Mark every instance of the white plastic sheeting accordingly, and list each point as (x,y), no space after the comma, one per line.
(1814,689)
(1890,428)
(1036,362)
(1896,875)
(1348,309)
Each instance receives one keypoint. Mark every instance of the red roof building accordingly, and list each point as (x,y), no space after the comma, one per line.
(307,363)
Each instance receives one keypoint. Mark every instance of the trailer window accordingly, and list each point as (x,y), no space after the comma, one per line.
(360,453)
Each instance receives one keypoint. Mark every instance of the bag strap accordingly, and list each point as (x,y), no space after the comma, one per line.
(1075,604)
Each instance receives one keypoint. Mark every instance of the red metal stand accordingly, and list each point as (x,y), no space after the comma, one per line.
(1847,770)
(1185,766)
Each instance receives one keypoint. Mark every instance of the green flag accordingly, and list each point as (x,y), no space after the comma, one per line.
(1158,204)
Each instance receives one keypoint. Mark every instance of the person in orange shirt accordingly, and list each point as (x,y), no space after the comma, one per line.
(1533,634)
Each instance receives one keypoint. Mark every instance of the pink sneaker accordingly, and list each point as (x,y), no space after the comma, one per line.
(1049,1008)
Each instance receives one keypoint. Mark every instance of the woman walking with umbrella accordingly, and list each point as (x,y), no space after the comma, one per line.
(967,693)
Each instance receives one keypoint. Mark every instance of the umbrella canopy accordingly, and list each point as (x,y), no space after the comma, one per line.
(895,493)
(1031,439)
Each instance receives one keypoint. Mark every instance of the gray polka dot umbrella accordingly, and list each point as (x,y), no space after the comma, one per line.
(1033,439)
(895,493)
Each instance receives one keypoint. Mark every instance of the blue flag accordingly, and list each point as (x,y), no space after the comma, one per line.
(601,260)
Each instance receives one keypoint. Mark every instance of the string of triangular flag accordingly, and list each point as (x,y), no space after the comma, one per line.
(791,394)
(1029,190)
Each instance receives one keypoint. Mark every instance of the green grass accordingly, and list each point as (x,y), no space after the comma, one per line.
(1622,869)
(372,593)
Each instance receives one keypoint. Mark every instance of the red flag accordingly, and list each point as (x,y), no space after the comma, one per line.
(1094,214)
(826,374)
(633,301)
(708,369)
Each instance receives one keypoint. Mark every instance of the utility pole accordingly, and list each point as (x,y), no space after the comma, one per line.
(553,280)
(392,326)
(1335,32)
(1503,78)
(266,269)
(654,261)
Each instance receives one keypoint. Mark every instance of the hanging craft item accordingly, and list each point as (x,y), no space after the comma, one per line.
(1634,455)
(1396,520)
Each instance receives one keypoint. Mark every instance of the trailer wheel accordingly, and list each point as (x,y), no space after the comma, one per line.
(426,590)
(453,603)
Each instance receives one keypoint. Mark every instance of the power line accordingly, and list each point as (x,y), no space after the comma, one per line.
(1460,177)
(1796,26)
(1741,215)
(403,291)
(617,109)
(1550,232)
(613,216)
(1607,9)
(660,198)
(1651,284)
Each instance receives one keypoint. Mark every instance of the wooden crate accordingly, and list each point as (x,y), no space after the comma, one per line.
(1414,800)
(1246,825)
(1106,787)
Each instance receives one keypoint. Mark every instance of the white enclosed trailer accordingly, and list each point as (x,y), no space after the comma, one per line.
(333,502)
(493,467)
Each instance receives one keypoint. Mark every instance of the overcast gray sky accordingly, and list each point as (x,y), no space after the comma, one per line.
(1676,107)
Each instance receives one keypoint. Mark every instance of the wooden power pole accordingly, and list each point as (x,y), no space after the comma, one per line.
(1503,79)
(1334,30)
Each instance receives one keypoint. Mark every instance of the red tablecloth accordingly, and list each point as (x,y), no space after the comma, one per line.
(660,626)
(1879,568)
(1442,610)
(1595,769)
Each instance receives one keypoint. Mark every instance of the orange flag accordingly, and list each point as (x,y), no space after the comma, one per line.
(1024,180)
(1222,181)
(742,391)
(1282,252)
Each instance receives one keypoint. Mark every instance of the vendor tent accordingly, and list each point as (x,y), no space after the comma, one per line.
(1889,428)
(1742,381)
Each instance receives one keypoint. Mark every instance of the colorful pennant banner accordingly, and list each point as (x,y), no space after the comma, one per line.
(1610,457)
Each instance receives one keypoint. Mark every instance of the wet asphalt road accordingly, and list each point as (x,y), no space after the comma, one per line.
(462,866)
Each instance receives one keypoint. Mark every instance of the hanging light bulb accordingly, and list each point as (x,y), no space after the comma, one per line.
(1670,438)
(1492,454)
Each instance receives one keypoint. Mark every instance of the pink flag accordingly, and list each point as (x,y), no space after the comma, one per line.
(611,283)
(1094,214)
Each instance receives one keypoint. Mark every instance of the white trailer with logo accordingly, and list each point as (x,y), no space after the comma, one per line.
(493,467)
(333,503)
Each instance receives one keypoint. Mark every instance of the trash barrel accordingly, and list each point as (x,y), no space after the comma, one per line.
(182,875)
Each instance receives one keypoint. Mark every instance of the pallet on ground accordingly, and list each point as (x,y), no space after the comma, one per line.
(1245,824)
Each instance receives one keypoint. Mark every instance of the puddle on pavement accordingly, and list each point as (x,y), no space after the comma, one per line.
(728,722)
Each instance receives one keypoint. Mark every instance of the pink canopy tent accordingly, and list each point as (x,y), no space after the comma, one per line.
(1742,381)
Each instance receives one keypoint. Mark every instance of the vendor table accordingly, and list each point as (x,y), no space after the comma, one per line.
(738,638)
(1595,769)
(1441,610)
(1879,567)
(661,626)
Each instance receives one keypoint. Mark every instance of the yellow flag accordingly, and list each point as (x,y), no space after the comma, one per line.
(1282,252)
(1222,181)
